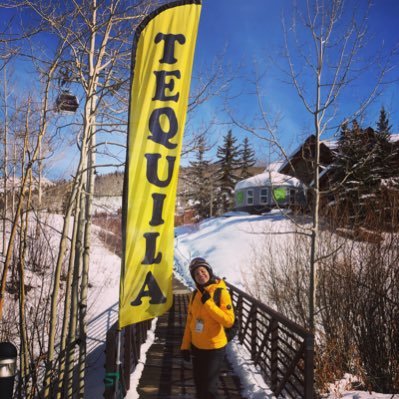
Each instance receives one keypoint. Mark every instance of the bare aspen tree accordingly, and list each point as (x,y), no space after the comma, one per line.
(68,386)
(27,169)
(23,185)
(13,177)
(67,306)
(336,36)
(27,380)
(19,251)
(24,356)
(323,42)
(86,258)
(5,156)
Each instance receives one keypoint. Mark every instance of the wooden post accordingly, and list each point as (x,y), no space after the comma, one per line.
(136,345)
(238,315)
(127,356)
(309,366)
(254,334)
(274,354)
(110,367)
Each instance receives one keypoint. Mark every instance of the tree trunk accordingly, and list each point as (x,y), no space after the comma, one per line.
(5,163)
(14,228)
(316,190)
(86,260)
(24,355)
(72,332)
(67,305)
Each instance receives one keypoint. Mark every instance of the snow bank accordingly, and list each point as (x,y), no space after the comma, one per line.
(110,205)
(228,243)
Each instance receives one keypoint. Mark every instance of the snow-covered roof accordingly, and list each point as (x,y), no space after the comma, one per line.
(270,177)
(394,137)
(331,144)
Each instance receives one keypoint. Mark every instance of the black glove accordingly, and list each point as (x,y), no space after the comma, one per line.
(185,353)
(205,296)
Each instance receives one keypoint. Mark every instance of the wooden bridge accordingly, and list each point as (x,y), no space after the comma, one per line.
(281,349)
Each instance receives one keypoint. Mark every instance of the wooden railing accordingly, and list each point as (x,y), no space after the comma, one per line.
(131,339)
(282,349)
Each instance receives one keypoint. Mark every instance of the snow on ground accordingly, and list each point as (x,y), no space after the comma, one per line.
(135,377)
(253,384)
(342,389)
(227,242)
(103,299)
(107,204)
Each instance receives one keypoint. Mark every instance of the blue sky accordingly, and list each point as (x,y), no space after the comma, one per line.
(251,31)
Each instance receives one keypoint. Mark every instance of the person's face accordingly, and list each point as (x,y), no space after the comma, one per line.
(201,275)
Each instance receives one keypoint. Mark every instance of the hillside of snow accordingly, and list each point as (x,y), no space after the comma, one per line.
(228,242)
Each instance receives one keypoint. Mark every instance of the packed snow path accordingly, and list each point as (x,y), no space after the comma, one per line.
(165,373)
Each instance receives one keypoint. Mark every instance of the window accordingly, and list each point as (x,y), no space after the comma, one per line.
(250,197)
(263,196)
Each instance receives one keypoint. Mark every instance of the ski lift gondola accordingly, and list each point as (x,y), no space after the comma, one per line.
(66,101)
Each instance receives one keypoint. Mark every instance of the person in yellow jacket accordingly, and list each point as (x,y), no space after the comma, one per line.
(204,340)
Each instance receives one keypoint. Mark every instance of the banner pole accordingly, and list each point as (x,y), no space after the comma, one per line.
(118,363)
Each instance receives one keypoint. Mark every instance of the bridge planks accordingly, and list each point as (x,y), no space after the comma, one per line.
(165,375)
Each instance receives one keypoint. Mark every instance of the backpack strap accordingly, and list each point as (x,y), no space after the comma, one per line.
(193,296)
(216,295)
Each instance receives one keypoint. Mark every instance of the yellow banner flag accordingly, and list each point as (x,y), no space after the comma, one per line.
(161,73)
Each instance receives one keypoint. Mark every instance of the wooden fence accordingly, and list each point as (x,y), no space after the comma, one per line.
(282,349)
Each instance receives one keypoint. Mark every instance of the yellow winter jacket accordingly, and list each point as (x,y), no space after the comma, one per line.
(209,332)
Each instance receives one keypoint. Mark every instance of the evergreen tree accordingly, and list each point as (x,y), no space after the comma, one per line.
(388,152)
(201,191)
(359,167)
(383,126)
(228,156)
(247,159)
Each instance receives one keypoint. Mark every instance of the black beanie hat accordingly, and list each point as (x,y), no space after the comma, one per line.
(198,262)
